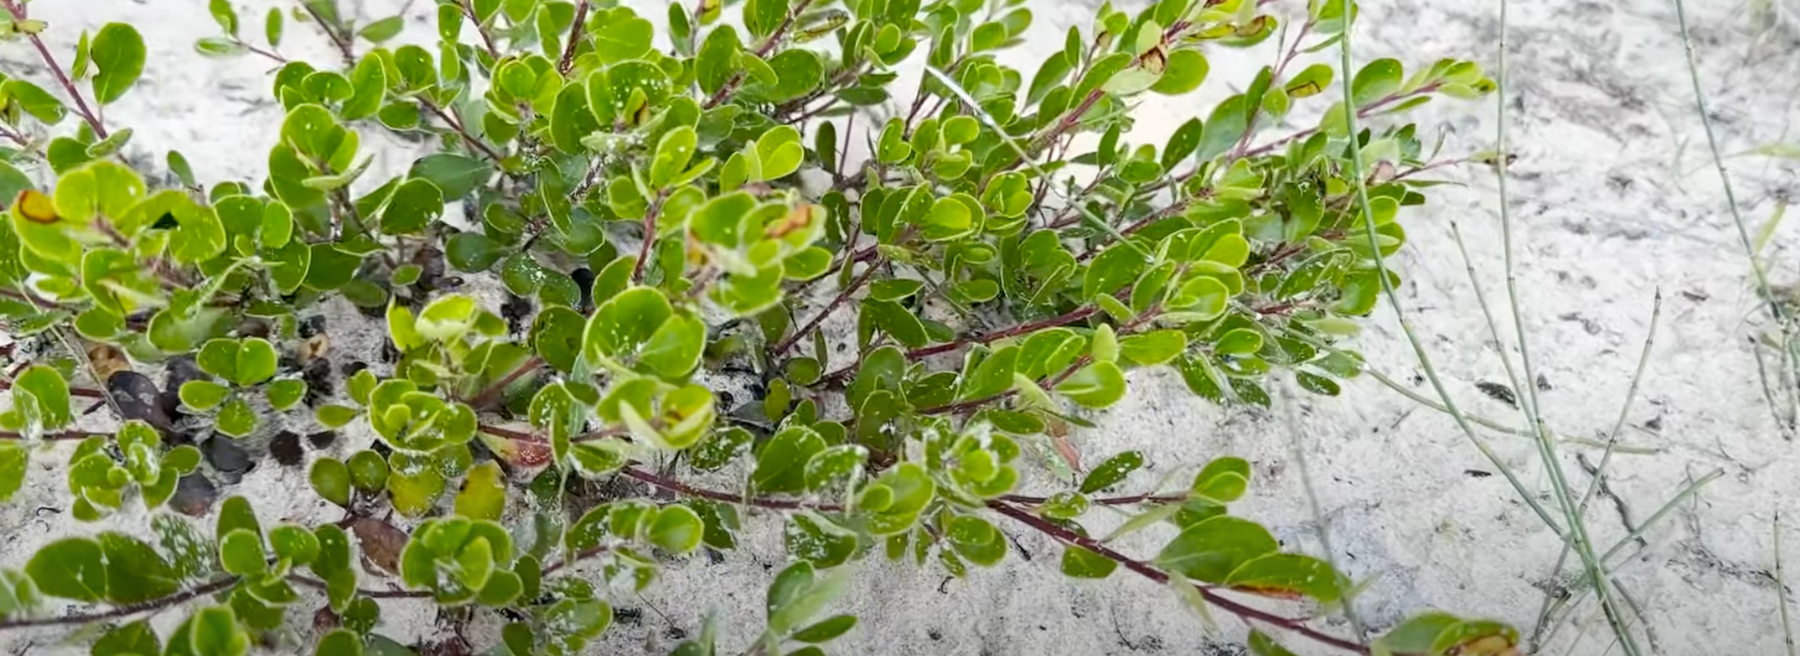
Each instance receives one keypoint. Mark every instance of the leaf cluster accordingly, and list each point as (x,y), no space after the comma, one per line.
(665,211)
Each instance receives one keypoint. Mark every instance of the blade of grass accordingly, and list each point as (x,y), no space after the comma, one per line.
(1478,420)
(1292,422)
(1578,589)
(1631,392)
(1783,319)
(1576,523)
(1787,626)
(1360,186)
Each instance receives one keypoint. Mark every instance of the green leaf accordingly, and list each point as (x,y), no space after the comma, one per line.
(203,395)
(236,418)
(1210,550)
(333,416)
(483,494)
(781,465)
(414,205)
(976,539)
(283,394)
(1282,574)
(218,46)
(368,85)
(625,323)
(896,320)
(762,16)
(382,30)
(44,391)
(241,553)
(1223,480)
(12,469)
(1097,385)
(673,152)
(780,151)
(71,568)
(1112,472)
(826,630)
(331,480)
(368,471)
(1310,82)
(1155,347)
(674,350)
(816,539)
(1375,81)
(118,55)
(1081,563)
(134,639)
(1183,72)
(714,64)
(134,571)
(35,101)
(272,27)
(622,35)
(226,16)
(677,529)
(455,175)
(340,642)
(214,632)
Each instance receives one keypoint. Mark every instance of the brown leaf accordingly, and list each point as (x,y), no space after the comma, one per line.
(381,543)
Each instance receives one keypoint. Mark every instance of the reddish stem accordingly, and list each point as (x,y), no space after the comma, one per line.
(466,137)
(788,342)
(637,269)
(64,435)
(493,391)
(568,56)
(1209,593)
(762,51)
(17,9)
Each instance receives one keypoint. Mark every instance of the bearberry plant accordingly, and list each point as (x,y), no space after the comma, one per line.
(671,213)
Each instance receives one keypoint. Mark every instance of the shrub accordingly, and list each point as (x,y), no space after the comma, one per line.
(659,219)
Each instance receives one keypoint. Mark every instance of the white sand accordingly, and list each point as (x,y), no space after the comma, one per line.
(1614,198)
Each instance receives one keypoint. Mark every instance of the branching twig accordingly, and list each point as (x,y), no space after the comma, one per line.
(464,133)
(788,342)
(1211,594)
(762,51)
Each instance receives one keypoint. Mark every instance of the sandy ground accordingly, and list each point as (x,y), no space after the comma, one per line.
(1614,197)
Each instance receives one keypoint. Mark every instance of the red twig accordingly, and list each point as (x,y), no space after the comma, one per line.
(346,43)
(486,38)
(64,435)
(17,9)
(575,29)
(637,269)
(466,137)
(768,45)
(493,391)
(788,342)
(1210,593)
